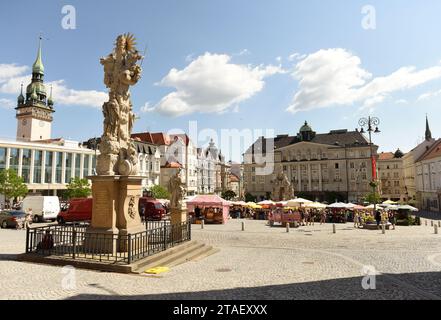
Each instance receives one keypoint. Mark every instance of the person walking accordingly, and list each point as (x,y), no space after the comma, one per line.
(28,218)
(356,219)
(323,217)
(392,218)
(378,218)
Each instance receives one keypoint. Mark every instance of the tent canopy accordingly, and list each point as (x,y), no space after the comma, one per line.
(208,200)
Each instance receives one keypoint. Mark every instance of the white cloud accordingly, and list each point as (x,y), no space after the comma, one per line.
(7,103)
(244,52)
(12,76)
(429,95)
(211,83)
(296,56)
(335,77)
(8,71)
(147,107)
(401,101)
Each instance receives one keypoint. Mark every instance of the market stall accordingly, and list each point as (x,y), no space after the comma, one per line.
(210,208)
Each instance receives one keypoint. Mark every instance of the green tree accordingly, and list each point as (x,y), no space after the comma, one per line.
(373,197)
(78,188)
(159,192)
(228,194)
(250,198)
(11,185)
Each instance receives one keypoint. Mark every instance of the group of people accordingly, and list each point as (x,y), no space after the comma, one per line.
(379,216)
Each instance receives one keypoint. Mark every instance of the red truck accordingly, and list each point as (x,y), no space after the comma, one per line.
(78,210)
(151,209)
(81,210)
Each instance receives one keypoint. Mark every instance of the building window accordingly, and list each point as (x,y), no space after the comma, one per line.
(86,165)
(48,167)
(26,165)
(13,160)
(2,158)
(69,159)
(58,166)
(77,165)
(94,165)
(38,161)
(336,166)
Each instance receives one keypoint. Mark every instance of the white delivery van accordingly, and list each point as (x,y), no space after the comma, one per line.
(43,207)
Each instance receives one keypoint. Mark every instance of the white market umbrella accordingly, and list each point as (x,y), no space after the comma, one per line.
(315,205)
(297,202)
(407,207)
(339,205)
(388,202)
(266,203)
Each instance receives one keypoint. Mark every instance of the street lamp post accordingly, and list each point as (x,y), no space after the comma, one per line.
(369,123)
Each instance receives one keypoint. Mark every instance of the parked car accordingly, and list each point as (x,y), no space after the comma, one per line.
(11,218)
(151,209)
(43,207)
(77,210)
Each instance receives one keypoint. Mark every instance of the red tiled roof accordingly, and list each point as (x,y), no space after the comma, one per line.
(234,178)
(433,152)
(172,165)
(158,138)
(385,156)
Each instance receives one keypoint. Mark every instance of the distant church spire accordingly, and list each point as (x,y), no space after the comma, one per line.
(428,133)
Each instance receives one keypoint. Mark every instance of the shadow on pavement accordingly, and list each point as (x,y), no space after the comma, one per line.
(388,286)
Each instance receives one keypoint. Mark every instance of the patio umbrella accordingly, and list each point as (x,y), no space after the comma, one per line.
(389,202)
(281,203)
(315,205)
(407,207)
(266,203)
(297,202)
(338,205)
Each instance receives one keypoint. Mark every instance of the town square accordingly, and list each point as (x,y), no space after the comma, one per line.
(158,155)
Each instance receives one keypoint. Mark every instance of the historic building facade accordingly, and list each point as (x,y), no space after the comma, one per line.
(409,166)
(213,172)
(46,165)
(428,178)
(325,167)
(390,174)
(177,152)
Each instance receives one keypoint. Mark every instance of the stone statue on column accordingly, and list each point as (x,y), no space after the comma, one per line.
(117,151)
(178,207)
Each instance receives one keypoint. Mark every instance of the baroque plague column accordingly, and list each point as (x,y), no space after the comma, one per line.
(117,187)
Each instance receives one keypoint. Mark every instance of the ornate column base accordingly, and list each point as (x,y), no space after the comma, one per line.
(114,214)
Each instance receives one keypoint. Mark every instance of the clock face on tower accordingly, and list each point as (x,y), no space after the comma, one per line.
(41,123)
(24,122)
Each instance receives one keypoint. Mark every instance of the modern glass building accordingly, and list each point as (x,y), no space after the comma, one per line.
(47,167)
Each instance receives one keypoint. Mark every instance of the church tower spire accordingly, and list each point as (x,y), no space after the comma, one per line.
(34,111)
(428,133)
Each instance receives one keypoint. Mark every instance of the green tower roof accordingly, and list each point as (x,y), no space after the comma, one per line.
(38,64)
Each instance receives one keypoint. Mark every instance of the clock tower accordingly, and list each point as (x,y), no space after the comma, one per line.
(34,112)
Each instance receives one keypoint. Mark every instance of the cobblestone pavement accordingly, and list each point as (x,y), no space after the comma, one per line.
(259,263)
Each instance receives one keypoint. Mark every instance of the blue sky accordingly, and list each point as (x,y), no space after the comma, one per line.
(232,61)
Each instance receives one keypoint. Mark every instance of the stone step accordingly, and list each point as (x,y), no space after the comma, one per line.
(161,255)
(196,255)
(168,259)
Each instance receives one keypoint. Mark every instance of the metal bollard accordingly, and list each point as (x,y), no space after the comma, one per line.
(333,228)
(243,225)
(439,223)
(436,228)
(383,227)
(425,222)
(431,223)
(287,227)
(202,224)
